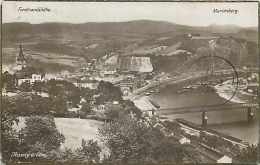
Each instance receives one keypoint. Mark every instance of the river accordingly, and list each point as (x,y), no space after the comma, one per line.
(230,122)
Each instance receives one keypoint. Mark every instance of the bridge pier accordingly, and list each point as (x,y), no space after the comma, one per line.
(204,119)
(250,114)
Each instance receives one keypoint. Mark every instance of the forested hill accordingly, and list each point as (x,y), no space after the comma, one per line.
(15,31)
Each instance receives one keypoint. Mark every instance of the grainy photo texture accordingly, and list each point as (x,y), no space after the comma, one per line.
(129,83)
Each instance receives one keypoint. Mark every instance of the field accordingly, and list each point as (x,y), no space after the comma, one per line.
(52,62)
(75,130)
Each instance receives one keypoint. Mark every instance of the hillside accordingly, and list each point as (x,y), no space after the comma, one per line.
(160,40)
(20,31)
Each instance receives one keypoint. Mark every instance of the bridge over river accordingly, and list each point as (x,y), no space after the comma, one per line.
(207,108)
(249,109)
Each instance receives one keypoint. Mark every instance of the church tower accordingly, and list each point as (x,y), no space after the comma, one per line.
(20,59)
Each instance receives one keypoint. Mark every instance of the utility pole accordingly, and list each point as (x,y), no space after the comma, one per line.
(204,119)
(250,114)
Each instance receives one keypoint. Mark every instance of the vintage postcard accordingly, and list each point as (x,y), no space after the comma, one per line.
(129,82)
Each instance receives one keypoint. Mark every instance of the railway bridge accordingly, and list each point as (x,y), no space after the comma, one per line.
(249,109)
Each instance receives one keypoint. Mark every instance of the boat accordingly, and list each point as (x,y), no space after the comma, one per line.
(147,93)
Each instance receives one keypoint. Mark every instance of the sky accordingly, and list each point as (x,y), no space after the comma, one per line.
(185,13)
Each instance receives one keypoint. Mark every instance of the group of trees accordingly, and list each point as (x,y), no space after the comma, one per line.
(125,107)
(41,131)
(107,92)
(37,87)
(25,105)
(40,137)
(132,140)
(8,81)
(89,152)
(65,89)
(249,155)
(55,88)
(63,95)
(8,134)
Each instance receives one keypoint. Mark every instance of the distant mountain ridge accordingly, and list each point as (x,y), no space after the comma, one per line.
(144,27)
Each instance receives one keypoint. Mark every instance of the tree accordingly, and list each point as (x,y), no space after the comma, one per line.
(124,107)
(68,91)
(9,140)
(54,88)
(38,87)
(113,113)
(42,130)
(74,96)
(28,104)
(136,141)
(249,154)
(25,87)
(89,151)
(85,109)
(108,92)
(130,107)
(58,105)
(39,105)
(87,94)
(8,81)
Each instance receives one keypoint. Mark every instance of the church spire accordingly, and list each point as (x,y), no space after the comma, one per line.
(20,60)
(21,56)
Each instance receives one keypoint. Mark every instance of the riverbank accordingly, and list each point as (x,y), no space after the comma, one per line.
(233,93)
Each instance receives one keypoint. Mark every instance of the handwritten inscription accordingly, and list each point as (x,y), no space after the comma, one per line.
(27,155)
(225,11)
(38,9)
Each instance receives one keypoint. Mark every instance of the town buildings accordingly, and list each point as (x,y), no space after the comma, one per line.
(32,79)
(91,84)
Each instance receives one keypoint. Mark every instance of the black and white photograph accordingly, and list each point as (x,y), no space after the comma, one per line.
(129,83)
